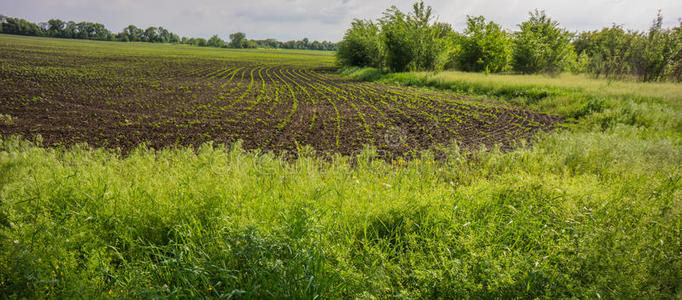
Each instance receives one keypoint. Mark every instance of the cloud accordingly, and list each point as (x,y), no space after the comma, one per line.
(328,19)
(295,15)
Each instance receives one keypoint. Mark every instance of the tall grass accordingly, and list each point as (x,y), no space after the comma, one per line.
(669,92)
(575,215)
(595,103)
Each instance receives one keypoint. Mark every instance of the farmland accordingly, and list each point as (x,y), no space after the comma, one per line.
(165,171)
(269,100)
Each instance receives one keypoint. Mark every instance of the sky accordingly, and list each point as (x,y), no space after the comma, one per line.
(328,19)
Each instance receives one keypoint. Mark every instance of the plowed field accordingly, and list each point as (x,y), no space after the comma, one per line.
(271,101)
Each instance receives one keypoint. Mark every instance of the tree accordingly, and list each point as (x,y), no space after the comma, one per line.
(654,51)
(99,32)
(413,41)
(674,70)
(361,45)
(20,26)
(163,35)
(609,51)
(133,33)
(237,40)
(541,46)
(150,35)
(397,42)
(251,44)
(56,27)
(174,38)
(485,47)
(215,41)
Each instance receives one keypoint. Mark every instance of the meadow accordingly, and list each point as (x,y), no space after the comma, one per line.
(581,199)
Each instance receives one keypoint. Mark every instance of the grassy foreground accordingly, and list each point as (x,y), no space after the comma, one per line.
(576,215)
(591,211)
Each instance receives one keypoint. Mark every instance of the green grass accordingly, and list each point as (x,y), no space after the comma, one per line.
(668,91)
(593,103)
(591,211)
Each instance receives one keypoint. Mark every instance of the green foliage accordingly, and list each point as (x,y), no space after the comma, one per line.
(131,34)
(361,45)
(237,40)
(654,52)
(541,46)
(604,103)
(397,37)
(575,215)
(412,42)
(95,31)
(215,41)
(674,70)
(616,53)
(362,74)
(609,51)
(485,47)
(19,26)
(407,41)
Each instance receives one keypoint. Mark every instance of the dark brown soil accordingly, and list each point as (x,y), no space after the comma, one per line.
(122,102)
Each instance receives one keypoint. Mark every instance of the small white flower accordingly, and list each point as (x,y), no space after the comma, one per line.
(386,184)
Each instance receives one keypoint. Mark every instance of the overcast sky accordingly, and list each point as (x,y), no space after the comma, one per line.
(327,19)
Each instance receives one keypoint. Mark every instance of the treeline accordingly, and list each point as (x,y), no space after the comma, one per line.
(95,31)
(415,42)
(239,40)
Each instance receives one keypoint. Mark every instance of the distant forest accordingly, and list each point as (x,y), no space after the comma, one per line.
(95,31)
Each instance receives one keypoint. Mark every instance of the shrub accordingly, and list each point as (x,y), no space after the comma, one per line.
(360,45)
(541,46)
(485,47)
(399,42)
(654,51)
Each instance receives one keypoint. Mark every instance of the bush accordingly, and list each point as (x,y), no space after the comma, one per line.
(653,52)
(541,46)
(485,47)
(616,53)
(609,51)
(360,45)
(400,42)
